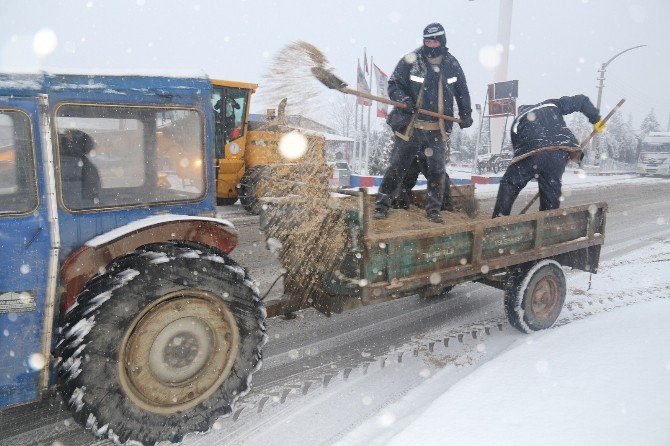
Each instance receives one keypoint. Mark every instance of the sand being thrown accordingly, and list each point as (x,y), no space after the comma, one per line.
(289,76)
(313,238)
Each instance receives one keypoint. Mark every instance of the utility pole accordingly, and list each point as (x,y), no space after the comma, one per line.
(601,85)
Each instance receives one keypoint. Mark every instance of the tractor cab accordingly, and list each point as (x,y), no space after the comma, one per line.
(112,253)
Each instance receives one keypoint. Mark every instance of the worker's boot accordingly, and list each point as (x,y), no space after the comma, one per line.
(380,213)
(435,216)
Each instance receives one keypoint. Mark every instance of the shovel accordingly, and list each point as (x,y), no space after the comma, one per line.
(581,147)
(330,80)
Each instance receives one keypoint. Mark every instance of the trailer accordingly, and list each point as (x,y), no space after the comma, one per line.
(524,255)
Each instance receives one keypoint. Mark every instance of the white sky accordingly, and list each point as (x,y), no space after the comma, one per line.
(557,45)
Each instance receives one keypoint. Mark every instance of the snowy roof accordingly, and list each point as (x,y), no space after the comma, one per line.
(258,117)
(326,136)
(658,138)
(29,84)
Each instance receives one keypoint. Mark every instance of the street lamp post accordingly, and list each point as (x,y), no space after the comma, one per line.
(601,84)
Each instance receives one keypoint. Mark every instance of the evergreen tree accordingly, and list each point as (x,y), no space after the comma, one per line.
(381,145)
(631,142)
(580,126)
(649,124)
(615,131)
(467,146)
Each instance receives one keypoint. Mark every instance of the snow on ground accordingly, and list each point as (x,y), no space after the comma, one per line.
(602,376)
(572,180)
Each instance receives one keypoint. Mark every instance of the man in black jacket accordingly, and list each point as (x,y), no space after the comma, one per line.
(429,78)
(540,133)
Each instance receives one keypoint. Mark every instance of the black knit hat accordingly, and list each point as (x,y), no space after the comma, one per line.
(435,31)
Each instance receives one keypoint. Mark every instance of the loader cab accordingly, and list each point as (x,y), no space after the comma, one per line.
(230,106)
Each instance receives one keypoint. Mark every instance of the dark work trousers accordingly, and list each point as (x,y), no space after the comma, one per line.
(547,167)
(404,198)
(429,142)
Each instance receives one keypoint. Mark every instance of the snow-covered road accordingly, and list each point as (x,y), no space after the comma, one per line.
(324,377)
(601,380)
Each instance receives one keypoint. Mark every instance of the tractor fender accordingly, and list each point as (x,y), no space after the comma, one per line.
(98,252)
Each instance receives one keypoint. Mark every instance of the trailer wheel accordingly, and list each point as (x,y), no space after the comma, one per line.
(497,167)
(250,188)
(162,343)
(534,298)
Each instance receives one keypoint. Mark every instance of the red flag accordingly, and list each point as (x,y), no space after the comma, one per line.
(365,63)
(362,85)
(382,90)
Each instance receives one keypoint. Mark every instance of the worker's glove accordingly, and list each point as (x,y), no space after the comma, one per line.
(411,105)
(467,121)
(599,126)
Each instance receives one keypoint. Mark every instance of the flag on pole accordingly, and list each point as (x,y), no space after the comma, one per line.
(362,85)
(365,61)
(382,80)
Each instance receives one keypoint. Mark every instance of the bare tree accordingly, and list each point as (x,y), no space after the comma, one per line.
(342,114)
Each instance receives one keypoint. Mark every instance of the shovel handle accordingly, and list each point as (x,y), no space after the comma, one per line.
(399,104)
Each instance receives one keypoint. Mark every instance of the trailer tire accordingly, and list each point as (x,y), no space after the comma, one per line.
(250,188)
(497,167)
(162,343)
(534,296)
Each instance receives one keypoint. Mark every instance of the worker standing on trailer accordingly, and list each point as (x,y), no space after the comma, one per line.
(542,146)
(429,78)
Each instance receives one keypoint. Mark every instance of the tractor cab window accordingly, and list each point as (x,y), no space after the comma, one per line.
(115,155)
(18,192)
(229,107)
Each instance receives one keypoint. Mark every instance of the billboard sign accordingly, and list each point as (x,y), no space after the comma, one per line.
(502,98)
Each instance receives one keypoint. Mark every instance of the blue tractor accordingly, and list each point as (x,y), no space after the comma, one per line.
(115,280)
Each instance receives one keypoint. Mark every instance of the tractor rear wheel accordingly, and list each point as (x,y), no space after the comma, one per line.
(534,297)
(162,343)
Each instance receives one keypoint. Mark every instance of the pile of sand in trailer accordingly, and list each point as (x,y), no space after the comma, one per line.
(414,219)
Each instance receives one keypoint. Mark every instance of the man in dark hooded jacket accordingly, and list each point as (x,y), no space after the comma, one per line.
(429,78)
(540,133)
